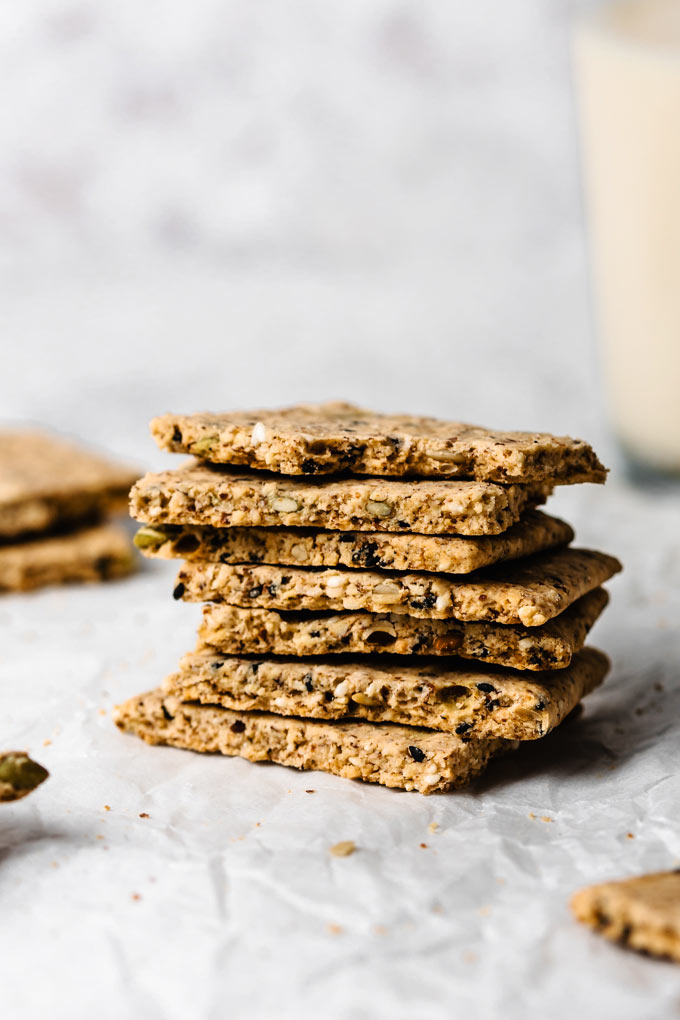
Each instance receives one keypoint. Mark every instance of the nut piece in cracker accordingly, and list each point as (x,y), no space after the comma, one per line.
(19,775)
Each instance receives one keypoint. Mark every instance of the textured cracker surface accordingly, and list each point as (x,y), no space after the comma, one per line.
(45,481)
(438,694)
(448,554)
(643,913)
(528,592)
(236,631)
(99,553)
(221,497)
(397,756)
(327,438)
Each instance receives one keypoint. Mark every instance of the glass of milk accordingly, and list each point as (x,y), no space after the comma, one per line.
(627,62)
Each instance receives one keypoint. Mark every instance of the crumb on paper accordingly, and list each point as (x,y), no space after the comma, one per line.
(423,846)
(310,791)
(136,896)
(47,742)
(532,816)
(99,836)
(547,818)
(379,929)
(344,848)
(334,929)
(630,835)
(485,910)
(469,956)
(102,711)
(143,814)
(433,826)
(107,807)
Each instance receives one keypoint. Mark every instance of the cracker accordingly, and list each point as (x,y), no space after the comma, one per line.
(445,554)
(236,631)
(336,437)
(397,756)
(99,553)
(45,482)
(643,913)
(220,497)
(442,695)
(528,592)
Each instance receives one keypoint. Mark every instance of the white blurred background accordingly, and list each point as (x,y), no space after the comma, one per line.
(222,204)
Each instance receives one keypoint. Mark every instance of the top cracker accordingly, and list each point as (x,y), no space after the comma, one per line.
(339,437)
(46,482)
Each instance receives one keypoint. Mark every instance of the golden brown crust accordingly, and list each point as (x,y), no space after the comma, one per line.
(336,437)
(236,631)
(397,756)
(446,554)
(528,592)
(642,913)
(220,497)
(437,694)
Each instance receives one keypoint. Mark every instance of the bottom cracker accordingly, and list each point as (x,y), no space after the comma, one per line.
(406,757)
(93,554)
(643,913)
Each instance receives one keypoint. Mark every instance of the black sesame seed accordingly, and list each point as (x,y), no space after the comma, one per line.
(176,435)
(486,688)
(179,591)
(309,466)
(272,589)
(255,592)
(308,683)
(238,726)
(346,538)
(490,705)
(539,706)
(463,728)
(167,714)
(285,580)
(328,696)
(416,753)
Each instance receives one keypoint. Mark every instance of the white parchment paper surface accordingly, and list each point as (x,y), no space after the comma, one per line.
(147,882)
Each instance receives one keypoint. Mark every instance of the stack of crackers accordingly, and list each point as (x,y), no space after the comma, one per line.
(55,499)
(383,600)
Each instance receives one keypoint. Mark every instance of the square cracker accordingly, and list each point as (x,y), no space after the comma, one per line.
(99,553)
(399,756)
(45,482)
(337,437)
(220,497)
(643,912)
(444,554)
(233,630)
(473,703)
(528,592)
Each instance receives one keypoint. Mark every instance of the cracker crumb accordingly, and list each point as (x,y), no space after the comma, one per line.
(98,836)
(136,896)
(532,816)
(379,929)
(107,807)
(547,818)
(102,711)
(334,929)
(469,956)
(433,826)
(484,911)
(629,835)
(143,815)
(46,743)
(310,791)
(423,846)
(344,848)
